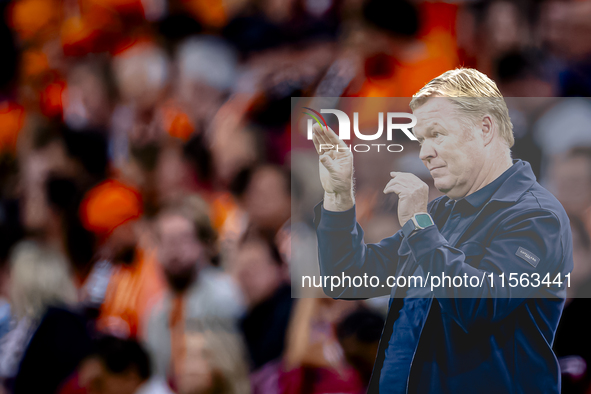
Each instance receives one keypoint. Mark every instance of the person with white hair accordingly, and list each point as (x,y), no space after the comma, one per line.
(495,224)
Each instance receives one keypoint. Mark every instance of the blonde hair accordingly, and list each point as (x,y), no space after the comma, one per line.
(473,93)
(39,277)
(227,354)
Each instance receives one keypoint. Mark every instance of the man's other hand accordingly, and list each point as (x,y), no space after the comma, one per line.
(412,192)
(336,169)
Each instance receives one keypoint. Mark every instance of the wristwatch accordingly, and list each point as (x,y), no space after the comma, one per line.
(417,222)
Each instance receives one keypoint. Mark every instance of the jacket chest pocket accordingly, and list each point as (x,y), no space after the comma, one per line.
(474,252)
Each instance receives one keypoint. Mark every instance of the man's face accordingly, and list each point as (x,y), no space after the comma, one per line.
(453,153)
(179,250)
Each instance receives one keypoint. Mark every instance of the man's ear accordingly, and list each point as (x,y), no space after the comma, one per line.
(487,129)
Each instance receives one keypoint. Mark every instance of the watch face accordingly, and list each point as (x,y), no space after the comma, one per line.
(424,220)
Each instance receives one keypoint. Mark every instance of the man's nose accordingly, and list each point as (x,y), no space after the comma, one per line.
(427,151)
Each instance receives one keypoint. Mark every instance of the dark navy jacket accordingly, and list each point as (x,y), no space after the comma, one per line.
(484,339)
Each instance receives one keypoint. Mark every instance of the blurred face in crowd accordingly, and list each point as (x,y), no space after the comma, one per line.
(196,375)
(267,199)
(179,249)
(570,178)
(173,177)
(122,243)
(258,275)
(97,379)
(232,150)
(454,154)
(87,103)
(37,166)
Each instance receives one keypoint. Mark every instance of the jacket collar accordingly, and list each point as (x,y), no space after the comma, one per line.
(508,187)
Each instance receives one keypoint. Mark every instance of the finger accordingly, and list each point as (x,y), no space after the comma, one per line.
(331,137)
(316,143)
(400,174)
(396,181)
(321,136)
(398,189)
(322,148)
(406,176)
(394,188)
(316,128)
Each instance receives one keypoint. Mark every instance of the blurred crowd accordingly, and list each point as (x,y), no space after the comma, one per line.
(146,192)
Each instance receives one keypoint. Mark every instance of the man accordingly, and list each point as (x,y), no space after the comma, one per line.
(197,290)
(127,279)
(493,219)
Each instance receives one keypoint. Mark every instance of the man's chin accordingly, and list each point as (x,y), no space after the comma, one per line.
(442,185)
(181,280)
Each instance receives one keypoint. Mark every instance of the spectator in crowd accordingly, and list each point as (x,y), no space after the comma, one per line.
(187,244)
(266,199)
(133,279)
(359,336)
(396,59)
(580,284)
(8,236)
(118,366)
(264,196)
(40,279)
(572,344)
(571,115)
(314,361)
(260,272)
(215,360)
(570,179)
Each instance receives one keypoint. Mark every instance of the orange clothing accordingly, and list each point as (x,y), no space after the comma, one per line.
(177,334)
(131,293)
(12,116)
(410,75)
(108,205)
(436,54)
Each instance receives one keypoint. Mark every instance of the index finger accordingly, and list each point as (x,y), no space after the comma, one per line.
(331,137)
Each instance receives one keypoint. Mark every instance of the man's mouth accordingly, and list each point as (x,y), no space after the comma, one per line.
(434,168)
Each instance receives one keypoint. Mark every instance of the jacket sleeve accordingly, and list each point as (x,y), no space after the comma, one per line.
(529,244)
(343,254)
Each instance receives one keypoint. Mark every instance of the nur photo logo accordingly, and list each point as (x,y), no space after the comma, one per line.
(344,129)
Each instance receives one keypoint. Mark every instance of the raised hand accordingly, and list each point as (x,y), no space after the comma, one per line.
(336,169)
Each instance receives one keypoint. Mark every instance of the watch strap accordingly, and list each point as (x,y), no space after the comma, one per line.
(409,227)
